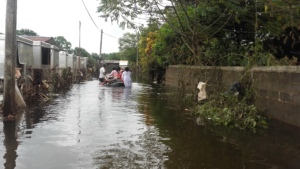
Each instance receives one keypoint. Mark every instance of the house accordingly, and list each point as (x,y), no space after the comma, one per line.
(123,64)
(30,53)
(110,64)
(114,63)
(49,40)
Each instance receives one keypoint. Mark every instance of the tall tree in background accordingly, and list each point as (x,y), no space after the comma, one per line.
(84,53)
(27,32)
(128,47)
(95,56)
(63,44)
(111,56)
(206,32)
(184,18)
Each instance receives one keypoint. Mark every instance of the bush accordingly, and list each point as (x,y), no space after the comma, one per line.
(234,111)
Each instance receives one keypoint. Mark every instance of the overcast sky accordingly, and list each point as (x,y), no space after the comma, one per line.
(61,18)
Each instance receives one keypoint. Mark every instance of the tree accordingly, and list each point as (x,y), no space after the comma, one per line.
(1,33)
(27,32)
(84,53)
(128,47)
(95,56)
(211,32)
(111,56)
(63,44)
(185,19)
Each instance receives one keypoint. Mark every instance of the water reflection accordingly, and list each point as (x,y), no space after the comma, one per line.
(11,145)
(126,93)
(96,126)
(143,150)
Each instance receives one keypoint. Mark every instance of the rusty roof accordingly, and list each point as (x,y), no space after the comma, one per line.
(49,40)
(35,38)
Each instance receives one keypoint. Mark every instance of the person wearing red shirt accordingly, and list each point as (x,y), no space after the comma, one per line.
(120,74)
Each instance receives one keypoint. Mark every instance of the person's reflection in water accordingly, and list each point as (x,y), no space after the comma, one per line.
(11,145)
(126,93)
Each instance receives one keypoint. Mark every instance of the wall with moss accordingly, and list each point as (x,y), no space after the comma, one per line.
(277,87)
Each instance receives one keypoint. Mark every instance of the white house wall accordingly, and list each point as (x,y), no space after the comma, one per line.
(2,55)
(62,60)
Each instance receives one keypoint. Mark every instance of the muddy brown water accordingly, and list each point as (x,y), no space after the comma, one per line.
(94,126)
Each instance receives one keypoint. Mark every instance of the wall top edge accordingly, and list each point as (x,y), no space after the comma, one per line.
(240,68)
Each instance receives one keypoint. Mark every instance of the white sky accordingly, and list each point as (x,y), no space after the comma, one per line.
(61,18)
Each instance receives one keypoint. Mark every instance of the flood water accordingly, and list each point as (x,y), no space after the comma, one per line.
(94,126)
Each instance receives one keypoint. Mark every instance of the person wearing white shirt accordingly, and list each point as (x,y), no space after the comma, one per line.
(126,76)
(102,74)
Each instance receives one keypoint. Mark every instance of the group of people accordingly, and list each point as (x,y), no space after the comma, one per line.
(116,73)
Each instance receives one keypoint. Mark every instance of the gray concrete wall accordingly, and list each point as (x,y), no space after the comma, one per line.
(278,87)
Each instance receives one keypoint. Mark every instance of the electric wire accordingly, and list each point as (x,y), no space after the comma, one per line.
(95,23)
(90,15)
(110,35)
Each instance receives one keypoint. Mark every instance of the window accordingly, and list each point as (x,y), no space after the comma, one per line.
(46,56)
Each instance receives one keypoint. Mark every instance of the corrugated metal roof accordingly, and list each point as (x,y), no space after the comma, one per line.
(42,39)
(35,38)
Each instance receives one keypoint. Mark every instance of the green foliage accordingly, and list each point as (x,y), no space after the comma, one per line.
(62,81)
(229,111)
(215,33)
(225,33)
(63,44)
(95,56)
(128,47)
(111,56)
(234,111)
(27,32)
(84,53)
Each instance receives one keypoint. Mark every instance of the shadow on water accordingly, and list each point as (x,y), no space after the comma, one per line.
(196,146)
(11,145)
(95,126)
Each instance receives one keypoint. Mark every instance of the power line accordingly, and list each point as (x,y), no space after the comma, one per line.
(90,14)
(110,36)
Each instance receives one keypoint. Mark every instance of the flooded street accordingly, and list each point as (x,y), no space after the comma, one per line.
(94,126)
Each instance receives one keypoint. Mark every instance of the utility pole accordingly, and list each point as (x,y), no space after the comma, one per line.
(10,58)
(79,43)
(100,57)
(101,44)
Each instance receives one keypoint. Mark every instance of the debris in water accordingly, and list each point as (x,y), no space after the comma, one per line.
(202,94)
(37,89)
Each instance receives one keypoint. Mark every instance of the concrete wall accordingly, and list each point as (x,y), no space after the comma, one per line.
(278,87)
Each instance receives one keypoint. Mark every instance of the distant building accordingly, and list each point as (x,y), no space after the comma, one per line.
(123,63)
(36,53)
(49,40)
(114,63)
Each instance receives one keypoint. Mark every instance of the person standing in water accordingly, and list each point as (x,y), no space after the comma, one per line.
(126,76)
(102,74)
